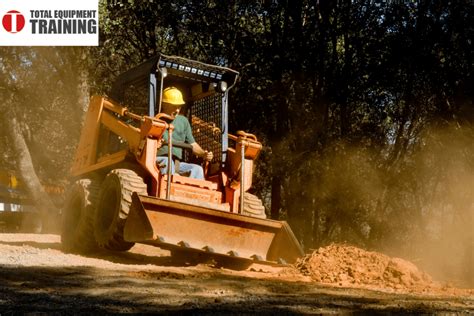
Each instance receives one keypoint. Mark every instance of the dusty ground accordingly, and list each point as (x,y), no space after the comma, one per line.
(37,277)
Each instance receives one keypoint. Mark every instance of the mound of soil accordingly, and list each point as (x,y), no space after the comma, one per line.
(350,266)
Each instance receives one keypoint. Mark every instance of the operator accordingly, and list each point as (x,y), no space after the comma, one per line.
(172,101)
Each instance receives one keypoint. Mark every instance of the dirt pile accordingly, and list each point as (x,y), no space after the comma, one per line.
(345,265)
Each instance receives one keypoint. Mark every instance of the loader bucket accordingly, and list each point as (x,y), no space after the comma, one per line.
(179,226)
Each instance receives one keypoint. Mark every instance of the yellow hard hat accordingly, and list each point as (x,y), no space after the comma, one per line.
(172,95)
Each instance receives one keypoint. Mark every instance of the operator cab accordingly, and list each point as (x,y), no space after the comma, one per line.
(205,89)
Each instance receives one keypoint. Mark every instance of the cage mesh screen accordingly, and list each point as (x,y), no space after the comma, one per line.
(206,121)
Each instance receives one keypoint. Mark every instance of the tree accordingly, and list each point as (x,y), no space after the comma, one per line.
(43,92)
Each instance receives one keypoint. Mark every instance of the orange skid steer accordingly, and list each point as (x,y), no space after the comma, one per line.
(120,197)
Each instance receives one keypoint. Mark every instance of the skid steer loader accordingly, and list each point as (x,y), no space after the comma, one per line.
(120,197)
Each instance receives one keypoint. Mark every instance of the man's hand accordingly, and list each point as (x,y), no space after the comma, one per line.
(204,154)
(208,155)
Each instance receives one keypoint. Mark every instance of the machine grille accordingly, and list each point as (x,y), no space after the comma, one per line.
(206,120)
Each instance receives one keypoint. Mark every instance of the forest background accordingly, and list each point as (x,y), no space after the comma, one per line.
(365,110)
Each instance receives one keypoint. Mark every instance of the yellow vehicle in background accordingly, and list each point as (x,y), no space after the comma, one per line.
(17,210)
(13,202)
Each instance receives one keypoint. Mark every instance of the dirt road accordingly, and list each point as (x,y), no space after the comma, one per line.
(36,276)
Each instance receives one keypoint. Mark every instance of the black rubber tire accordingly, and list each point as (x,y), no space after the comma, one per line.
(115,198)
(253,206)
(77,232)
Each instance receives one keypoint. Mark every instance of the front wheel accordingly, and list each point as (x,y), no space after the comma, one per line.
(115,198)
(77,217)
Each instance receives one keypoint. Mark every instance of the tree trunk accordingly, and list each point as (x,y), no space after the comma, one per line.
(276,197)
(83,84)
(27,171)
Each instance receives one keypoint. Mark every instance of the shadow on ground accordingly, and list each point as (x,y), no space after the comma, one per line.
(91,290)
(172,289)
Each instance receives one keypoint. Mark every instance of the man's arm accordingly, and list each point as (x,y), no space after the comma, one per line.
(198,151)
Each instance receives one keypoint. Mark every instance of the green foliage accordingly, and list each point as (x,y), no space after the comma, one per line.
(40,88)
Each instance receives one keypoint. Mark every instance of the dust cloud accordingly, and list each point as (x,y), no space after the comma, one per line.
(416,203)
(444,244)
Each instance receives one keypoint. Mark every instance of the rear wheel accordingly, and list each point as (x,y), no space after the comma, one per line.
(77,218)
(115,198)
(253,206)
